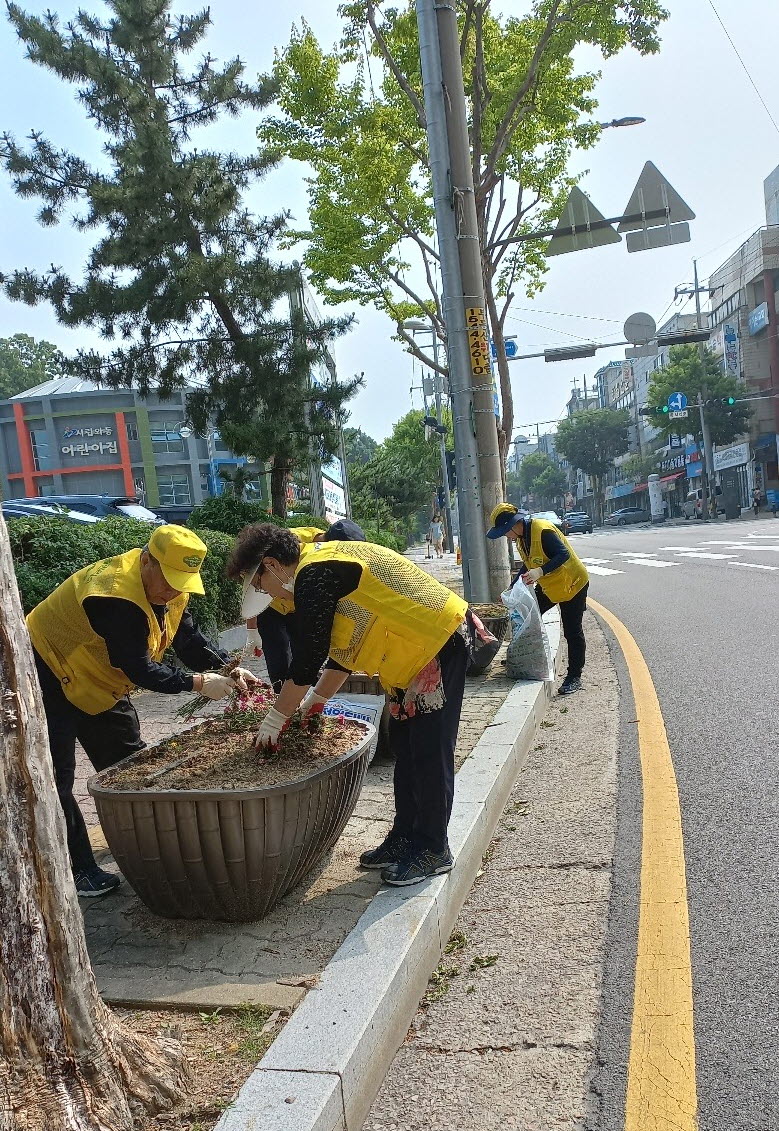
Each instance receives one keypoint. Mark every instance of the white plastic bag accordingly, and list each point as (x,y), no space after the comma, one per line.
(529,655)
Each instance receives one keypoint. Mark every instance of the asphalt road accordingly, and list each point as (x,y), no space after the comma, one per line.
(702,602)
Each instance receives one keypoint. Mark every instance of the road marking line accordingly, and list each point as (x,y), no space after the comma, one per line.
(651,562)
(753,565)
(661,1090)
(628,554)
(602,571)
(596,561)
(701,554)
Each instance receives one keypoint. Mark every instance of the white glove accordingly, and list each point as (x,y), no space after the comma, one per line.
(532,575)
(270,729)
(215,686)
(313,704)
(243,678)
(254,641)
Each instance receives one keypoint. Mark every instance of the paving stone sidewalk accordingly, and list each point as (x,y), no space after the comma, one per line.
(140,958)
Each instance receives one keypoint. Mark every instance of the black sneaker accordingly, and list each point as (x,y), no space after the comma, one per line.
(96,881)
(417,867)
(392,850)
(570,685)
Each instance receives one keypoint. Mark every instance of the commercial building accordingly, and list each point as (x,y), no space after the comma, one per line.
(520,448)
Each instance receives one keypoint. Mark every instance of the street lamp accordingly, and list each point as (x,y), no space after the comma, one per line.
(617,123)
(415,325)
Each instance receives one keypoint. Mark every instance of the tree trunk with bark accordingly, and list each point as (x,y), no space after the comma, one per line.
(279,477)
(66,1064)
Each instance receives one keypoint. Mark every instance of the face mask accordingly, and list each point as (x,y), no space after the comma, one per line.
(254,601)
(288,585)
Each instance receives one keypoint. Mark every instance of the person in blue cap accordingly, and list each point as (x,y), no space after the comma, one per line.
(559,576)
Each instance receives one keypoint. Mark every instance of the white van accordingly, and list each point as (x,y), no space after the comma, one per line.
(693,504)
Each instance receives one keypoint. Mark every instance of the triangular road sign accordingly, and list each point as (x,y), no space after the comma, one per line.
(579,213)
(653,193)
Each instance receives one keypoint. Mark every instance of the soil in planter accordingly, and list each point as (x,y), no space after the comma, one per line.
(218,754)
(491,611)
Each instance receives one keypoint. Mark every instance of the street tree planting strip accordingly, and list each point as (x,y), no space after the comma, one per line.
(323,1071)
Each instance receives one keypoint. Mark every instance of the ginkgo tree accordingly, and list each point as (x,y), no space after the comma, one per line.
(356,116)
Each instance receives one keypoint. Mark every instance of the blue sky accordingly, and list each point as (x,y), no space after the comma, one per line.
(705,130)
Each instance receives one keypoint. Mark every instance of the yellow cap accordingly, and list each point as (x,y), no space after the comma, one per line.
(180,554)
(501,509)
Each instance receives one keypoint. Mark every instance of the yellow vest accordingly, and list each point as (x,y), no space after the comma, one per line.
(305,535)
(396,620)
(65,640)
(563,583)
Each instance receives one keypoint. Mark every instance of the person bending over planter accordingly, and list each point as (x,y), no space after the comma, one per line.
(270,632)
(369,609)
(103,632)
(560,577)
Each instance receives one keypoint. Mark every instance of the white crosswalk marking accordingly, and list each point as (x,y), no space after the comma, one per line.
(595,561)
(602,571)
(701,554)
(651,562)
(754,565)
(630,554)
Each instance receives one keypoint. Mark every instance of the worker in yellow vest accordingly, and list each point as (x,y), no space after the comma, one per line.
(102,633)
(270,633)
(366,608)
(560,577)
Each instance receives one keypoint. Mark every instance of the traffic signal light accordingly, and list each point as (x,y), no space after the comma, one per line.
(720,402)
(451,470)
(653,410)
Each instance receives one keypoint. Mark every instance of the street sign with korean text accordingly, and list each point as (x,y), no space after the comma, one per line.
(681,414)
(677,402)
(510,349)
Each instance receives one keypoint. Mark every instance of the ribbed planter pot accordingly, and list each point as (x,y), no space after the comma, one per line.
(495,622)
(222,853)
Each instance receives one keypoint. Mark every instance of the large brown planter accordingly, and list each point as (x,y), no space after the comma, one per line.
(222,853)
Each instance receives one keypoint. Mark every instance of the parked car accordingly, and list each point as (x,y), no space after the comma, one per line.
(550,516)
(693,504)
(577,522)
(626,515)
(16,508)
(102,506)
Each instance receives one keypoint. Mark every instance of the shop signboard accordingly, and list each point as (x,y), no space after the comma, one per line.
(731,457)
(758,318)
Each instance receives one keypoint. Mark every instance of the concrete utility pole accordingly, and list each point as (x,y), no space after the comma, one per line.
(708,454)
(442,445)
(479,479)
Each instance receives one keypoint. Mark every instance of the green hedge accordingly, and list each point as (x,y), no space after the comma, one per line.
(230,515)
(47,550)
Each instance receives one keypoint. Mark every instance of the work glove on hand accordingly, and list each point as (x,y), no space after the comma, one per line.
(254,640)
(313,704)
(272,725)
(243,678)
(531,576)
(216,686)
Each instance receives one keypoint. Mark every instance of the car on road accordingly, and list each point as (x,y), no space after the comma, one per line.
(693,504)
(626,515)
(101,506)
(577,522)
(550,516)
(15,508)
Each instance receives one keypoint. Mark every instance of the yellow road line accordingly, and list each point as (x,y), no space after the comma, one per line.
(661,1091)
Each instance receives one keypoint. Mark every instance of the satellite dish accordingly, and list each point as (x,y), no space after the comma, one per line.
(640,328)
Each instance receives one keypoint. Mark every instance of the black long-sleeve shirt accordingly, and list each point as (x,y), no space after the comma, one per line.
(124,627)
(318,589)
(551,544)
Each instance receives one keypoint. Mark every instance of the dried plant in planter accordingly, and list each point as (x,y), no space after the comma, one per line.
(195,706)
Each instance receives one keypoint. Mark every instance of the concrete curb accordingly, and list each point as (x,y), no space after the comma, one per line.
(323,1071)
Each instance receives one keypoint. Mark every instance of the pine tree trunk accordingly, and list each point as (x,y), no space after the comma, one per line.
(278,487)
(66,1064)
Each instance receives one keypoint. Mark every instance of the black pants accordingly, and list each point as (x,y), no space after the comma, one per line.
(106,738)
(276,631)
(424,758)
(571,613)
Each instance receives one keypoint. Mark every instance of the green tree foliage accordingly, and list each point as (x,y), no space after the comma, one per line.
(359,121)
(25,363)
(238,478)
(180,277)
(687,373)
(230,514)
(358,446)
(637,467)
(543,479)
(401,477)
(591,441)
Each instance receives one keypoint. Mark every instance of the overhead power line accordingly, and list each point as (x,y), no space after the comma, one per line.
(743,64)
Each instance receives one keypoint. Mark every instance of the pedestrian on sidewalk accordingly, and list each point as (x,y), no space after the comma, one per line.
(559,576)
(756,500)
(366,608)
(270,633)
(99,635)
(436,533)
